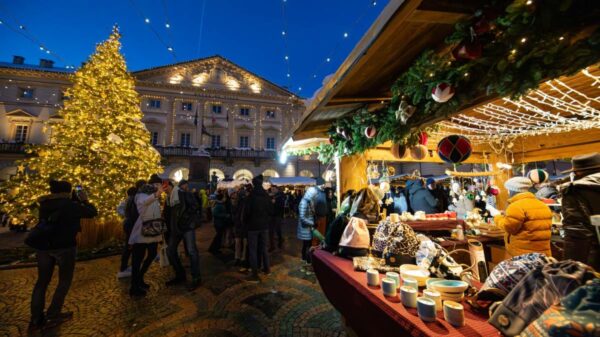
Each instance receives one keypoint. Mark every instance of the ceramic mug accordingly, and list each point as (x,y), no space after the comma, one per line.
(373,277)
(454,313)
(410,282)
(426,309)
(395,276)
(388,286)
(408,296)
(435,296)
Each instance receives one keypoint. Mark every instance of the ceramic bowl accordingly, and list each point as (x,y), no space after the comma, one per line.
(450,286)
(415,272)
(429,282)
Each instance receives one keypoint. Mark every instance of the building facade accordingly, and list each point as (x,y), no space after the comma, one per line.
(238,117)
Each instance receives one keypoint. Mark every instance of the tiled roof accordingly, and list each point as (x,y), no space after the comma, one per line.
(35,67)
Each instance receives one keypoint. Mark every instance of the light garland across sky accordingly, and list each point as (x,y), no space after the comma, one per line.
(556,108)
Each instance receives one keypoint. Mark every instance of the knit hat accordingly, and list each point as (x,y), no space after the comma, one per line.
(155,179)
(538,176)
(518,184)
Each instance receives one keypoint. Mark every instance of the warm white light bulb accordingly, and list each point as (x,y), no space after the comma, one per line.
(147,20)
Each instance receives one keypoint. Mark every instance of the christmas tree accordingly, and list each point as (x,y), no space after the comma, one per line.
(101,144)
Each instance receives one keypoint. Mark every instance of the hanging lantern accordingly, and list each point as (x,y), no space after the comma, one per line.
(538,176)
(467,51)
(399,151)
(442,92)
(370,131)
(423,137)
(454,149)
(418,152)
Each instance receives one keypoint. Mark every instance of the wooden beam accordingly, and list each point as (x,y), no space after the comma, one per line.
(358,99)
(385,154)
(426,16)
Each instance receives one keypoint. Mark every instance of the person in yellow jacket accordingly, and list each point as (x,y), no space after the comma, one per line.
(527,220)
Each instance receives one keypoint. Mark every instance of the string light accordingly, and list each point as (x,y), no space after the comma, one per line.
(168,46)
(345,35)
(146,20)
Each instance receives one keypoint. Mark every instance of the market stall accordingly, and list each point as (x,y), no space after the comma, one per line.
(292,181)
(458,83)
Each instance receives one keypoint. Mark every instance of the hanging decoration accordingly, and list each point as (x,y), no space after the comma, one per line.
(467,51)
(399,151)
(423,137)
(442,92)
(370,131)
(493,190)
(454,149)
(404,112)
(418,152)
(538,176)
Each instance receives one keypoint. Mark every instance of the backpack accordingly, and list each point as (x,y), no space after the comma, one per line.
(39,237)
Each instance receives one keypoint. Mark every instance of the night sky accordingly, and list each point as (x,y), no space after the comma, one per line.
(247,32)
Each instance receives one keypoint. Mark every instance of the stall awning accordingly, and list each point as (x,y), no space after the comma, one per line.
(292,181)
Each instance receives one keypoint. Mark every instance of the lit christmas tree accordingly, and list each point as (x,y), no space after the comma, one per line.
(101,144)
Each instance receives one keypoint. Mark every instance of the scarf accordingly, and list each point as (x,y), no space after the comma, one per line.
(174,197)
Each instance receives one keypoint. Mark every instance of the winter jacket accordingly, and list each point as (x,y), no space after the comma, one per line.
(547,192)
(527,225)
(580,200)
(237,211)
(204,198)
(258,210)
(144,200)
(400,204)
(306,214)
(420,197)
(183,216)
(68,220)
(221,219)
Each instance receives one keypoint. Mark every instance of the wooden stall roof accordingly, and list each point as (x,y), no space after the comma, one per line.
(401,32)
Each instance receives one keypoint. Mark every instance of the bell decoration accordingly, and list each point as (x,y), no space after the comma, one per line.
(442,92)
(399,151)
(370,131)
(454,149)
(418,152)
(423,137)
(538,176)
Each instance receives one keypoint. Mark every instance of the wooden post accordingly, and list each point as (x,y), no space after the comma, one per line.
(499,180)
(353,173)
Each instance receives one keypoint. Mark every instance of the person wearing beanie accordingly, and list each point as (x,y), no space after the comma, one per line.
(527,221)
(580,201)
(55,245)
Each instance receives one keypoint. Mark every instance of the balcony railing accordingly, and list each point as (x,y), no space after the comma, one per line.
(177,151)
(238,153)
(18,148)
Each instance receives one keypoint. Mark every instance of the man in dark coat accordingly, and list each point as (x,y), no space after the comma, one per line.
(257,214)
(580,200)
(420,198)
(61,212)
(183,212)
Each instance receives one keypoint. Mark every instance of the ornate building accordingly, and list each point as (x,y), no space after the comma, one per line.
(238,117)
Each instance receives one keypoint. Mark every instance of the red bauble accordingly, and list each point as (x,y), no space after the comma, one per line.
(442,92)
(493,190)
(399,151)
(467,51)
(331,140)
(423,138)
(370,131)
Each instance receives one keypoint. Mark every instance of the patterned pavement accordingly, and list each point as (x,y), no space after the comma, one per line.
(286,303)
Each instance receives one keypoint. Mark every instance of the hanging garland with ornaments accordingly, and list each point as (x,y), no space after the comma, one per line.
(500,51)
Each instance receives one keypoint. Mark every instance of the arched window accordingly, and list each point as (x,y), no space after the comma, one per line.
(270,173)
(243,174)
(219,173)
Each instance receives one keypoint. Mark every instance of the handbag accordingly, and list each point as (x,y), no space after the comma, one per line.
(152,222)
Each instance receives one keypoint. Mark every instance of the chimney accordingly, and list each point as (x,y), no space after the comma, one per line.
(44,63)
(18,59)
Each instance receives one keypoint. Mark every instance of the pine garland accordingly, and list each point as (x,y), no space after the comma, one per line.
(531,42)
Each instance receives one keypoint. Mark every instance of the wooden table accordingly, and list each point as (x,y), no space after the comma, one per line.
(368,313)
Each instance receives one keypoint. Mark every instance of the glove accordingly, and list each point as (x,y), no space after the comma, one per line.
(493,211)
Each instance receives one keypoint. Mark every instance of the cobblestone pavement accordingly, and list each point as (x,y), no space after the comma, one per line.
(285,303)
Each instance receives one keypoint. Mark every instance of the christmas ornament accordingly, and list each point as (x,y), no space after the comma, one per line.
(342,132)
(467,51)
(404,112)
(384,186)
(418,152)
(370,131)
(454,149)
(423,137)
(442,92)
(456,188)
(538,176)
(493,190)
(399,151)
(470,196)
(331,140)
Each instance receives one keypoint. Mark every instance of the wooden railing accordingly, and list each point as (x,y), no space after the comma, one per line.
(12,148)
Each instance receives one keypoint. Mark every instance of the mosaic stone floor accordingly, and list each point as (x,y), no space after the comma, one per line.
(286,303)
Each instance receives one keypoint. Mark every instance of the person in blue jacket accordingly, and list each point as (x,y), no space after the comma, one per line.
(420,197)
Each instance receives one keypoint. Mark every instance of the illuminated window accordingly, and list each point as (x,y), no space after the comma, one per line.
(270,114)
(270,143)
(185,139)
(26,92)
(215,141)
(154,138)
(186,106)
(244,140)
(154,104)
(245,112)
(21,133)
(216,109)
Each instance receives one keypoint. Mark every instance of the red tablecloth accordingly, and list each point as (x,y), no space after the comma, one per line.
(435,225)
(369,313)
